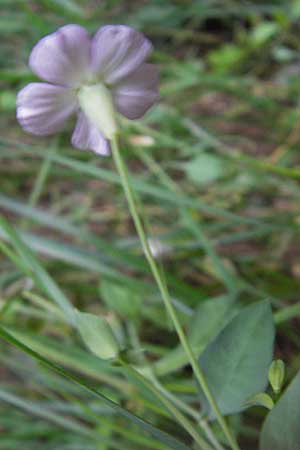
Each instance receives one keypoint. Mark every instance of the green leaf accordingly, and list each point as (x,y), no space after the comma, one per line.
(227,58)
(281,428)
(263,33)
(97,335)
(236,363)
(71,357)
(204,169)
(210,317)
(120,298)
(261,399)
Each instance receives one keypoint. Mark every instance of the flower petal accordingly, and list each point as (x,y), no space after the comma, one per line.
(138,92)
(87,137)
(62,57)
(43,108)
(117,51)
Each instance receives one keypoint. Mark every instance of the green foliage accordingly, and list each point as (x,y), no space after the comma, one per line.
(263,33)
(261,399)
(97,335)
(120,299)
(216,167)
(29,263)
(236,362)
(163,437)
(209,318)
(281,427)
(229,58)
(204,169)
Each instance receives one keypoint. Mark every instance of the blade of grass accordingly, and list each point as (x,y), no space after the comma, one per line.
(38,273)
(146,426)
(141,186)
(41,411)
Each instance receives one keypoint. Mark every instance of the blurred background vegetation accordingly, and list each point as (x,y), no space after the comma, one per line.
(222,145)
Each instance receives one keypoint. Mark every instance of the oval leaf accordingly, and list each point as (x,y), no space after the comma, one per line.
(281,429)
(120,298)
(236,362)
(97,335)
(204,169)
(261,399)
(209,318)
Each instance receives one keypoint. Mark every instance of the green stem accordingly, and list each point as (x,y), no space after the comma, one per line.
(209,434)
(176,401)
(188,410)
(40,182)
(152,377)
(41,179)
(122,169)
(162,436)
(181,419)
(228,279)
(287,313)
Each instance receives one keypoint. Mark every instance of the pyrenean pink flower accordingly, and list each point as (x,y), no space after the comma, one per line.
(90,77)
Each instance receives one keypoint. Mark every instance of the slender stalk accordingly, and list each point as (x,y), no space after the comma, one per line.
(122,169)
(40,182)
(210,435)
(181,419)
(188,410)
(287,313)
(41,178)
(162,436)
(135,342)
(230,282)
(175,400)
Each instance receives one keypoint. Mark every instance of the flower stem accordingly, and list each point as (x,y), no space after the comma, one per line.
(122,169)
(182,406)
(184,422)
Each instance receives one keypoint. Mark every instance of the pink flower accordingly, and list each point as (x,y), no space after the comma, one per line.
(90,77)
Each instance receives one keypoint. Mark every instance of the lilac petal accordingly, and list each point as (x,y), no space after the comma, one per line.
(117,51)
(62,57)
(87,137)
(138,92)
(43,108)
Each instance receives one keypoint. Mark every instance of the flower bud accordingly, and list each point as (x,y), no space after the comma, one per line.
(276,375)
(96,102)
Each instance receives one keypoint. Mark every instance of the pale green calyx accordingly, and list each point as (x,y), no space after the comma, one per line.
(96,102)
